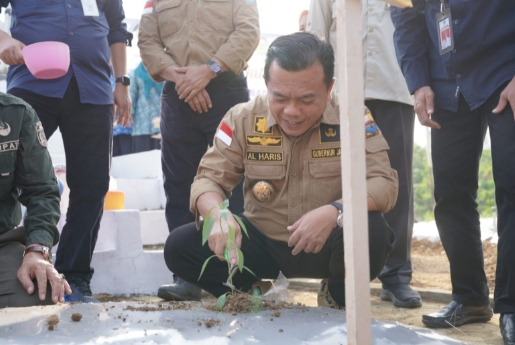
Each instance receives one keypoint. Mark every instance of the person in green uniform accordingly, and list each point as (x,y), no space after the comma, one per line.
(27,275)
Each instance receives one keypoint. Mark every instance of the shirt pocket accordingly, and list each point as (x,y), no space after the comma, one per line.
(169,17)
(274,174)
(325,182)
(216,14)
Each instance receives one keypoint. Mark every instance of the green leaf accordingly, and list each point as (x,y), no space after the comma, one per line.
(245,267)
(240,259)
(232,235)
(225,204)
(205,264)
(206,229)
(224,213)
(227,255)
(242,226)
(220,302)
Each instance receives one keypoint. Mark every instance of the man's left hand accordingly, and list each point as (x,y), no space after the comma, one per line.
(122,102)
(195,79)
(507,96)
(35,266)
(311,231)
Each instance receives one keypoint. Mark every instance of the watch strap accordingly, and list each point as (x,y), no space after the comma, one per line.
(39,249)
(338,205)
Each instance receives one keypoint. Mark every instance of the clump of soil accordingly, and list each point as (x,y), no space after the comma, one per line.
(76,317)
(211,322)
(52,320)
(277,313)
(242,303)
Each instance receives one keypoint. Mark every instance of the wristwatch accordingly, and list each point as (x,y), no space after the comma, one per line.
(124,79)
(39,249)
(214,67)
(339,219)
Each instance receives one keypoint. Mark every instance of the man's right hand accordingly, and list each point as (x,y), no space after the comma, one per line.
(219,235)
(424,106)
(201,102)
(10,51)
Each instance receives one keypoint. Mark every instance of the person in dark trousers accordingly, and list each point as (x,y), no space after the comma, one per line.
(80,104)
(287,144)
(27,177)
(387,97)
(460,90)
(206,48)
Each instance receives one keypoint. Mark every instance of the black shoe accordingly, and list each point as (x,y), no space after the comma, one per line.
(81,292)
(507,326)
(456,314)
(402,296)
(180,290)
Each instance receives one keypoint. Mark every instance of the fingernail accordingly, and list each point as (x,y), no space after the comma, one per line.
(42,296)
(29,290)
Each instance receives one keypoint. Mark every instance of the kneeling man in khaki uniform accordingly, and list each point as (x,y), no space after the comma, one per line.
(287,145)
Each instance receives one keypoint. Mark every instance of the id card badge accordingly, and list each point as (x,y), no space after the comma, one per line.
(444,27)
(90,8)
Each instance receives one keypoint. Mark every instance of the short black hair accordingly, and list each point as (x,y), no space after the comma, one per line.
(299,51)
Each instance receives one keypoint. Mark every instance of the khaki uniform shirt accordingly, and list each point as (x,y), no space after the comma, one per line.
(382,75)
(189,33)
(26,174)
(304,171)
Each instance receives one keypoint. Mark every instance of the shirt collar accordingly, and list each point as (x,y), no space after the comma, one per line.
(331,115)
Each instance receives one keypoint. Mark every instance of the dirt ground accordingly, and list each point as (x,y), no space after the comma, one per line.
(430,271)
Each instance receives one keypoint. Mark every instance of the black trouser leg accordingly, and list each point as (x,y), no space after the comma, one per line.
(186,135)
(185,256)
(502,137)
(87,136)
(396,122)
(456,151)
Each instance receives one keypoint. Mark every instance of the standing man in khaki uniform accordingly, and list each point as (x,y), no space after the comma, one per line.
(387,96)
(200,49)
(287,145)
(27,276)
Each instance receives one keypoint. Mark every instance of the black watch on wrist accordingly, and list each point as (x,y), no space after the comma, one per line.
(339,219)
(124,79)
(214,67)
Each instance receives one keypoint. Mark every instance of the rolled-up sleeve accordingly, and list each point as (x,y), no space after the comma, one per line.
(410,37)
(243,41)
(115,15)
(222,167)
(382,180)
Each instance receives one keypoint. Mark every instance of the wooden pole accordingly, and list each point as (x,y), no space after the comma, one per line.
(350,79)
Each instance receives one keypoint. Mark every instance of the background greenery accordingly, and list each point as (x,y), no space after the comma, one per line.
(423,193)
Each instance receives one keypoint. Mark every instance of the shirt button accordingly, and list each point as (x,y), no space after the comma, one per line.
(458,76)
(192,41)
(370,30)
(294,174)
(71,33)
(454,50)
(193,61)
(293,204)
(370,54)
(456,21)
(69,6)
(370,9)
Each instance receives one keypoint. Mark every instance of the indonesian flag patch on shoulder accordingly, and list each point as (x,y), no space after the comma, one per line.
(149,6)
(225,134)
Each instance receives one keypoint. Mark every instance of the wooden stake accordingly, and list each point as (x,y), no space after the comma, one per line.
(350,79)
